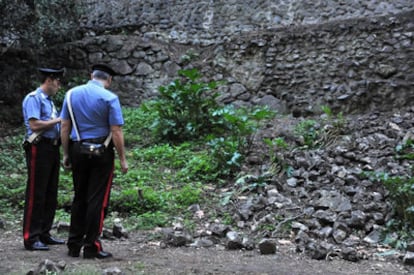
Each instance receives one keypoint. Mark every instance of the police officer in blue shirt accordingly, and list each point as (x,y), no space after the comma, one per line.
(96,114)
(42,159)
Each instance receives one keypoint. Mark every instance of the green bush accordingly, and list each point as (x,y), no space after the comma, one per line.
(187,110)
(227,155)
(184,108)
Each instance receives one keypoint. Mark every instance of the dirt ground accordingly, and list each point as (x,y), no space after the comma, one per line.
(138,255)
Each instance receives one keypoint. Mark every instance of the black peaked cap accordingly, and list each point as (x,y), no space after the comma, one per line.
(104,68)
(52,72)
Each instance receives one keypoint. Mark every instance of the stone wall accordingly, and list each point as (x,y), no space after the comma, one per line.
(291,55)
(350,65)
(209,21)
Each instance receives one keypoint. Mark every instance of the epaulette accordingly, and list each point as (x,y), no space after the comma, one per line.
(32,93)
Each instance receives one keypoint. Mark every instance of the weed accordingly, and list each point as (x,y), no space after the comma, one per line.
(308,131)
(13,171)
(227,219)
(226,197)
(278,148)
(149,220)
(332,125)
(314,133)
(137,129)
(225,153)
(401,193)
(188,195)
(405,150)
(250,183)
(62,215)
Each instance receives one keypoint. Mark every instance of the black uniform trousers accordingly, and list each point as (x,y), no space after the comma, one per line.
(92,180)
(43,161)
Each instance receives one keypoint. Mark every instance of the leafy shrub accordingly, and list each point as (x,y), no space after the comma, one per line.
(198,166)
(226,155)
(401,192)
(184,109)
(187,110)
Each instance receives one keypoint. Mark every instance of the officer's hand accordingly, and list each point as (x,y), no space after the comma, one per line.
(124,166)
(66,163)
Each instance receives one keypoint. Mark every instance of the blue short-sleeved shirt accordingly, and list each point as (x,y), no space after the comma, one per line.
(95,109)
(39,105)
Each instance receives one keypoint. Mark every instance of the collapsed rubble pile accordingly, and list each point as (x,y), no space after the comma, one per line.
(321,197)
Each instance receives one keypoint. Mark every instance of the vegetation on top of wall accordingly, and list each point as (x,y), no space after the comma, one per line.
(34,24)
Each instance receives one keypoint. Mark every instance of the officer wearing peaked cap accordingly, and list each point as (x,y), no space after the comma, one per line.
(43,160)
(91,113)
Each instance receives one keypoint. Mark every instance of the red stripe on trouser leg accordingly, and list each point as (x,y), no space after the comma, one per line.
(108,189)
(29,209)
(105,204)
(98,246)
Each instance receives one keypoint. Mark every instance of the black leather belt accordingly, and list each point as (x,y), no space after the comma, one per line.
(51,141)
(94,140)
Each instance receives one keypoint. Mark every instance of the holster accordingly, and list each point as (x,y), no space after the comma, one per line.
(92,149)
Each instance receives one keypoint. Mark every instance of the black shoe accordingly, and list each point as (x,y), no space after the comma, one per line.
(73,252)
(52,240)
(98,255)
(38,245)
